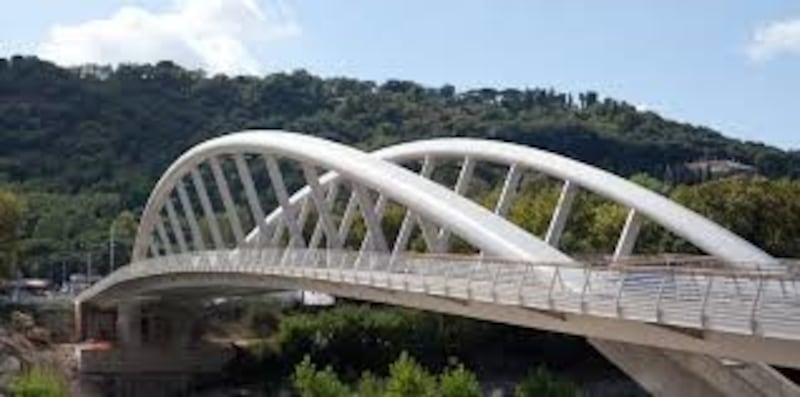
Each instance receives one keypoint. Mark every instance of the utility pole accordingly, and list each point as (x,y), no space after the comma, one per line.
(111,244)
(89,267)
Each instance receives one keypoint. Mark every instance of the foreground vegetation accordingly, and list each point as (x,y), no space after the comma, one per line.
(40,382)
(352,348)
(406,377)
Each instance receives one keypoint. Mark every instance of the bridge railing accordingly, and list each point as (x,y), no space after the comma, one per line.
(749,302)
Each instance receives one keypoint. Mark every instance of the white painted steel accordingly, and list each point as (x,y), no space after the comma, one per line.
(253,202)
(431,201)
(629,235)
(675,297)
(224,192)
(290,218)
(462,184)
(208,210)
(175,226)
(561,214)
(634,298)
(322,206)
(194,227)
(162,236)
(510,186)
(703,233)
(425,201)
(368,211)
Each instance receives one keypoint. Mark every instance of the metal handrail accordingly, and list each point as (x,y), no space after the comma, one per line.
(741,302)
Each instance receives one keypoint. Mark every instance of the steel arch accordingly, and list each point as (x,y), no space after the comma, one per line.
(475,224)
(683,222)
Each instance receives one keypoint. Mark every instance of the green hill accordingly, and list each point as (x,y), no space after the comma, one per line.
(97,129)
(83,144)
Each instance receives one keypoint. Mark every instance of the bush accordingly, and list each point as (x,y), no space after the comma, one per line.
(370,386)
(21,321)
(40,382)
(543,383)
(458,382)
(309,382)
(408,378)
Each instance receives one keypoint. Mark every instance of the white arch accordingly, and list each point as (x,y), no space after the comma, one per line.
(473,223)
(683,222)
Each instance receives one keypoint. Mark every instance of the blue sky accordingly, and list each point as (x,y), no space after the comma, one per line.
(731,65)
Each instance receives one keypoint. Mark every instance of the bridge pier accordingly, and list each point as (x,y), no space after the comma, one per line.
(136,324)
(153,348)
(673,373)
(94,323)
(129,324)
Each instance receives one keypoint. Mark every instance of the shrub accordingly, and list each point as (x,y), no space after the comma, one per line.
(408,378)
(543,383)
(459,382)
(309,382)
(40,382)
(370,386)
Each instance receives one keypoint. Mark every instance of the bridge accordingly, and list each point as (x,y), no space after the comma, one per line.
(679,325)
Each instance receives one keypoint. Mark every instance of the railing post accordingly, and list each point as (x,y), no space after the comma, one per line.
(552,287)
(446,278)
(521,284)
(341,268)
(469,278)
(407,275)
(619,293)
(425,286)
(659,311)
(704,307)
(756,303)
(389,270)
(587,274)
(356,266)
(495,275)
(371,267)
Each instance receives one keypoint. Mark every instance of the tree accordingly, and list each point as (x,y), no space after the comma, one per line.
(125,226)
(764,212)
(11,215)
(310,382)
(109,121)
(459,382)
(370,386)
(408,378)
(543,383)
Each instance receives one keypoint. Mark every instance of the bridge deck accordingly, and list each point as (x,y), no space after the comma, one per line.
(765,304)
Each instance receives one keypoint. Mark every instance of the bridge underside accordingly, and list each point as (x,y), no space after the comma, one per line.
(202,285)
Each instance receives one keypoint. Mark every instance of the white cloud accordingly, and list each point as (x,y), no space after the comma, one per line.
(776,38)
(216,35)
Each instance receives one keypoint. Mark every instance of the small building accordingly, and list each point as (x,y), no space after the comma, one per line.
(24,289)
(78,282)
(709,169)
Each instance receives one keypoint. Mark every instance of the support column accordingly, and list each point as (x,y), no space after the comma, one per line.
(630,232)
(180,328)
(672,373)
(561,213)
(129,324)
(92,322)
(79,333)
